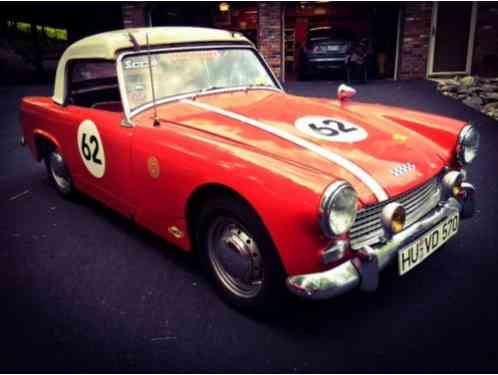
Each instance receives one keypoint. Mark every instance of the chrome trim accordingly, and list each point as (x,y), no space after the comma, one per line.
(345,92)
(126,123)
(235,258)
(326,201)
(119,69)
(469,200)
(451,179)
(59,172)
(460,150)
(96,88)
(335,252)
(367,265)
(328,284)
(363,270)
(354,169)
(327,59)
(368,230)
(386,253)
(386,217)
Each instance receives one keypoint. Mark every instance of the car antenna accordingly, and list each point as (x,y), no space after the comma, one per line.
(156,120)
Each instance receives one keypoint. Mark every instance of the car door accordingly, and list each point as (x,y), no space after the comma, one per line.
(100,142)
(101,155)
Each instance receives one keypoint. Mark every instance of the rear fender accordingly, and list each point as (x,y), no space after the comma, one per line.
(39,136)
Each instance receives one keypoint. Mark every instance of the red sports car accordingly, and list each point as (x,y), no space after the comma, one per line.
(187,132)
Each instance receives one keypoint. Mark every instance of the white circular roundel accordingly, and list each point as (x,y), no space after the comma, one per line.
(331,129)
(91,148)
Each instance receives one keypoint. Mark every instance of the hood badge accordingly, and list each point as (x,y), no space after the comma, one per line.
(402,169)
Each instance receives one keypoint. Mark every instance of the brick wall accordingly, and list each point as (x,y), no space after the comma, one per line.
(415,34)
(133,15)
(270,34)
(485,59)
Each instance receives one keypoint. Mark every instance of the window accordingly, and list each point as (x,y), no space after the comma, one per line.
(94,84)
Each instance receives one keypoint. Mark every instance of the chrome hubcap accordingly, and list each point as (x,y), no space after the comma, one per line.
(235,257)
(59,172)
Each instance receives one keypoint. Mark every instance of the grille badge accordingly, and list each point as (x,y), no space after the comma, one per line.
(402,169)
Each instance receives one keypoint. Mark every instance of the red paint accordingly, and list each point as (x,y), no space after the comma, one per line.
(282,181)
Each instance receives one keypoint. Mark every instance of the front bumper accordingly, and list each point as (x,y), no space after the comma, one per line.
(363,270)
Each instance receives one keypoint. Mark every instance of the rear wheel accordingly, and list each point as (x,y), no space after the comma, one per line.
(239,255)
(58,173)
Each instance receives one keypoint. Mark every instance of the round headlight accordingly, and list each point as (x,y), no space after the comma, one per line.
(338,208)
(468,145)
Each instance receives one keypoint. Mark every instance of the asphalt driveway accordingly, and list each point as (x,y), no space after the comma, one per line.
(83,289)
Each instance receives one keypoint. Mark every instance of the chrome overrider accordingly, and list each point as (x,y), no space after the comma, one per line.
(363,270)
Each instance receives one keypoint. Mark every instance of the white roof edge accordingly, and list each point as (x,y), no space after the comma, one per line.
(106,45)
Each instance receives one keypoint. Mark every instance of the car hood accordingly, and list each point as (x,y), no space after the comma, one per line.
(394,155)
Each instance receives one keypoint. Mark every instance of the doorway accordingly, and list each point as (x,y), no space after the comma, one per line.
(452,37)
(373,26)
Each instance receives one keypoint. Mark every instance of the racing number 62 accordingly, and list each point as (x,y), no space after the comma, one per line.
(87,151)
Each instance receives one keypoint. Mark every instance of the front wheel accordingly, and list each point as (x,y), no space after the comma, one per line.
(238,253)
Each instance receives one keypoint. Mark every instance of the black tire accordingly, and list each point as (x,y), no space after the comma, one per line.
(272,293)
(58,173)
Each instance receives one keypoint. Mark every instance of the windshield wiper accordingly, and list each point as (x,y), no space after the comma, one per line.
(244,88)
(256,85)
(213,88)
(209,88)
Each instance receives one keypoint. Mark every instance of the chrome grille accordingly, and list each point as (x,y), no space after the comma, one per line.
(367,228)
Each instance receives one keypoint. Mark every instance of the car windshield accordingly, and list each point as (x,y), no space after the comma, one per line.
(192,71)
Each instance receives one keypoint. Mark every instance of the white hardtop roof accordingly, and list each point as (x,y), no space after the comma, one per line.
(107,45)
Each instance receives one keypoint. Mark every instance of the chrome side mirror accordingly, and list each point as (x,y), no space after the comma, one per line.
(345,92)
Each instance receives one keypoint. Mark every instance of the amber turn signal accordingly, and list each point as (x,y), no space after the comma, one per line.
(398,220)
(452,182)
(393,218)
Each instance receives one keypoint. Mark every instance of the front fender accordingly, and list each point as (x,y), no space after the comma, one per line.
(285,196)
(441,130)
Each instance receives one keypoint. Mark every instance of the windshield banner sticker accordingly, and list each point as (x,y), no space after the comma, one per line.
(139,62)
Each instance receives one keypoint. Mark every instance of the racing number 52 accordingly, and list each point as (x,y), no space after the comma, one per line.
(329,131)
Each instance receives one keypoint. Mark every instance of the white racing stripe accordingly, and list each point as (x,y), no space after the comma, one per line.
(363,176)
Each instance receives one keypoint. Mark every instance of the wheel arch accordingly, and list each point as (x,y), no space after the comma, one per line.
(201,194)
(43,142)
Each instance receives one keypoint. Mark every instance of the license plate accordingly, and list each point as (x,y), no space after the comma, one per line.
(415,253)
(333,48)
